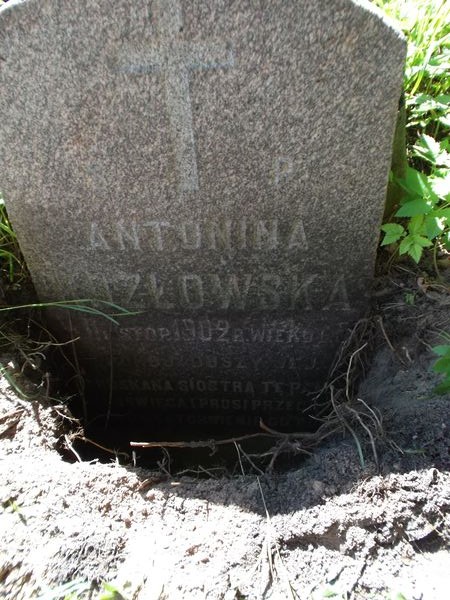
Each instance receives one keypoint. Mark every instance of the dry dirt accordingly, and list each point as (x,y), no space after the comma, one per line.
(327,526)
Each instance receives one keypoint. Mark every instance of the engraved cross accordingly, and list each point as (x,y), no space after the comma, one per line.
(175,58)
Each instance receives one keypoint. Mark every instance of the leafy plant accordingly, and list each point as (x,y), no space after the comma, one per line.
(72,590)
(442,365)
(110,592)
(78,589)
(427,27)
(423,218)
(426,203)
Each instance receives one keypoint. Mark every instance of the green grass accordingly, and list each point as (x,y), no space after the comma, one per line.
(426,25)
(79,589)
(84,305)
(11,262)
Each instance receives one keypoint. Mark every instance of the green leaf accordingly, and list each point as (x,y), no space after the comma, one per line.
(425,103)
(7,229)
(392,228)
(441,185)
(109,592)
(393,232)
(443,387)
(442,350)
(413,245)
(411,208)
(416,225)
(415,252)
(417,185)
(434,226)
(446,240)
(329,593)
(443,159)
(427,148)
(422,241)
(442,213)
(442,365)
(406,244)
(399,596)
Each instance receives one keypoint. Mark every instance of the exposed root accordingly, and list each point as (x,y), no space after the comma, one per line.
(336,407)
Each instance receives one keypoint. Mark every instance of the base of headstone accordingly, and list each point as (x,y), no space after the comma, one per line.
(208,393)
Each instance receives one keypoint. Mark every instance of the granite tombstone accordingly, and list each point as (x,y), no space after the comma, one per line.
(219,167)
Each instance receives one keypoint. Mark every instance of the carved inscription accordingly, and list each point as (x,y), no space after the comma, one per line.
(174,58)
(282,170)
(169,419)
(232,291)
(287,168)
(222,331)
(220,386)
(224,234)
(241,365)
(220,403)
(211,291)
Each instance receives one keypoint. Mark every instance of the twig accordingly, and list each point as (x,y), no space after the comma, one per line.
(388,341)
(347,378)
(10,415)
(77,369)
(347,426)
(10,426)
(329,413)
(72,449)
(199,443)
(249,460)
(289,590)
(369,433)
(115,452)
(239,457)
(111,378)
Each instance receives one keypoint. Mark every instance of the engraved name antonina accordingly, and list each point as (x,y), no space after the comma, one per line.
(221,234)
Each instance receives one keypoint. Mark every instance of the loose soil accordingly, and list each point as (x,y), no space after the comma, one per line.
(366,515)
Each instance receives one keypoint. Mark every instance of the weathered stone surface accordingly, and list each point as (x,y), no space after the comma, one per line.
(220,166)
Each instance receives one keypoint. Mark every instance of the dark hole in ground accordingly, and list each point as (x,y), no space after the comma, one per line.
(224,450)
(107,437)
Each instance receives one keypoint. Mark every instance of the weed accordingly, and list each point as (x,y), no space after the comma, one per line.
(110,592)
(11,263)
(426,205)
(442,366)
(83,305)
(425,202)
(427,27)
(72,590)
(12,506)
(423,217)
(397,596)
(78,589)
